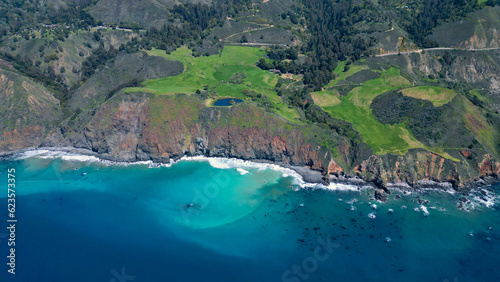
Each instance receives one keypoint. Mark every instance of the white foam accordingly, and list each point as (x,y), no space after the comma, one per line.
(242,171)
(339,187)
(79,158)
(229,163)
(487,199)
(75,157)
(424,209)
(32,154)
(216,162)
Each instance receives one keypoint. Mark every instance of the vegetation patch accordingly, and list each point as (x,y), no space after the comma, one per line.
(232,73)
(355,108)
(326,98)
(341,73)
(238,78)
(437,95)
(363,76)
(478,125)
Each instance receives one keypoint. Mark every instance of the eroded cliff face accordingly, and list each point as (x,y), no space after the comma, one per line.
(133,127)
(143,127)
(417,166)
(466,66)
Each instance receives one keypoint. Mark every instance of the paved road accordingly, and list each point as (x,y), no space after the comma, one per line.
(436,49)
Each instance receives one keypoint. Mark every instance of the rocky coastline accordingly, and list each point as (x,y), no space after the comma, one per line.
(144,127)
(381,191)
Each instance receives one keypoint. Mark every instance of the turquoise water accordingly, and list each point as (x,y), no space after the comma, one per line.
(91,221)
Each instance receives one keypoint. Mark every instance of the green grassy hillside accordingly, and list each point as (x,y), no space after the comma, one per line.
(212,75)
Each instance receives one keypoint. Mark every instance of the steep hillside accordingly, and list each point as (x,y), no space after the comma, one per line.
(480,29)
(127,70)
(27,111)
(146,12)
(59,57)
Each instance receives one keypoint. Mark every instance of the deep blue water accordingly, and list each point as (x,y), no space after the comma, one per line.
(226,102)
(87,221)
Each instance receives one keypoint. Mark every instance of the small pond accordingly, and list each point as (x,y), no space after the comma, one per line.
(227,102)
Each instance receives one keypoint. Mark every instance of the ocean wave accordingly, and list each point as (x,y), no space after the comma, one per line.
(73,157)
(478,197)
(482,197)
(216,162)
(230,163)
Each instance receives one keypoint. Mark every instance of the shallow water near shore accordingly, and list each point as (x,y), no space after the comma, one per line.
(84,220)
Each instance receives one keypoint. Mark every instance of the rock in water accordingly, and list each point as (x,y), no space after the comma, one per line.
(381,195)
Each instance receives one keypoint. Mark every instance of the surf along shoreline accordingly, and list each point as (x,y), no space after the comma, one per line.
(306,177)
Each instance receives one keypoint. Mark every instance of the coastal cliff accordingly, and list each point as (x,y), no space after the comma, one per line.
(140,126)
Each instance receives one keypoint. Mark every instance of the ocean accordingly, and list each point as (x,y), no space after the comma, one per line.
(82,219)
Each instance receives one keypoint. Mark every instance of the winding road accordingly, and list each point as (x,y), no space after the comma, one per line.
(436,49)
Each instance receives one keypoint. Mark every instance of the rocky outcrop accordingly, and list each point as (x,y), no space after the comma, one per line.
(381,195)
(334,168)
(419,168)
(489,167)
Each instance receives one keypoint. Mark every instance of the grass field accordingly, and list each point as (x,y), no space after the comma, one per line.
(214,72)
(355,109)
(326,98)
(437,95)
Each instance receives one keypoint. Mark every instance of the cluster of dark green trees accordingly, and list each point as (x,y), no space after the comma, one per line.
(281,59)
(99,57)
(300,98)
(418,18)
(196,19)
(420,116)
(332,38)
(18,16)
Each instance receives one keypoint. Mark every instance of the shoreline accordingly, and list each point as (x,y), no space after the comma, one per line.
(306,177)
